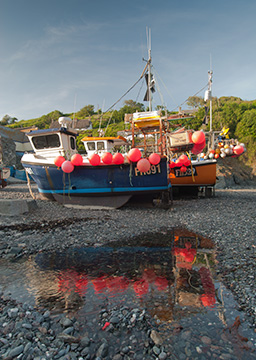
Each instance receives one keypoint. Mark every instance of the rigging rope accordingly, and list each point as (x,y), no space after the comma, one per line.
(173,97)
(139,92)
(124,94)
(160,94)
(142,75)
(191,96)
(164,85)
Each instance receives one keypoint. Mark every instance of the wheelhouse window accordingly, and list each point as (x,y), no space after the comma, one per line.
(72,143)
(46,141)
(91,145)
(100,145)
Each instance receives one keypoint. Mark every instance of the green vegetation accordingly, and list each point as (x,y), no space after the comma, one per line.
(237,115)
(232,112)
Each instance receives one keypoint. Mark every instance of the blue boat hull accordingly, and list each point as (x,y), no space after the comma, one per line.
(88,185)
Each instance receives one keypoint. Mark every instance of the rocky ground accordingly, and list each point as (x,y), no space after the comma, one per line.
(228,218)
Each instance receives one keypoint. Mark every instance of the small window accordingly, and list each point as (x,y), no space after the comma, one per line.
(100,145)
(91,145)
(72,143)
(46,141)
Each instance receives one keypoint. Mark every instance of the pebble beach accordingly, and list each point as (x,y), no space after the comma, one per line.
(228,219)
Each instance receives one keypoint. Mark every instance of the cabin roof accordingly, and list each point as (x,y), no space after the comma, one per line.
(49,131)
(110,138)
(77,124)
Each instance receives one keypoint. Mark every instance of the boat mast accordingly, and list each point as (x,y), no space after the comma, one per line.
(210,93)
(208,96)
(149,69)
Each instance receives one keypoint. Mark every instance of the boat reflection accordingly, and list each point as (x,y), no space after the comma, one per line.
(167,280)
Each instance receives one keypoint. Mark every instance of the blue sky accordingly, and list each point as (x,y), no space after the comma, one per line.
(65,54)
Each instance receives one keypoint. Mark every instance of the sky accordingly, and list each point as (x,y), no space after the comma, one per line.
(66,54)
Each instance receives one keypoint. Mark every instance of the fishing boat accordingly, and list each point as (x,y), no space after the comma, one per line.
(199,173)
(71,179)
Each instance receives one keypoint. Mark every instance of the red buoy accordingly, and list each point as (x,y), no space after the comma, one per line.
(118,159)
(172,165)
(143,165)
(67,166)
(134,155)
(59,160)
(198,137)
(178,163)
(94,159)
(197,148)
(238,149)
(183,169)
(184,160)
(107,158)
(154,159)
(77,159)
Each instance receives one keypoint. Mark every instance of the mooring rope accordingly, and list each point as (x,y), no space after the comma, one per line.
(29,185)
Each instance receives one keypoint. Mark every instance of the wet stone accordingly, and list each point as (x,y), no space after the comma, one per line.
(188,351)
(162,356)
(117,357)
(68,330)
(156,350)
(114,320)
(16,351)
(85,351)
(85,341)
(65,322)
(155,336)
(206,340)
(102,350)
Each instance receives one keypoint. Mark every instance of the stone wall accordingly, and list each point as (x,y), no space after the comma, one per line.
(7,151)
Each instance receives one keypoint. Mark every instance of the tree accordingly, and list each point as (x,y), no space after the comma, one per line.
(86,111)
(247,125)
(131,106)
(7,120)
(195,101)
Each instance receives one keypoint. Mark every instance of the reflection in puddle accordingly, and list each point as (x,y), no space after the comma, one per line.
(176,271)
(172,277)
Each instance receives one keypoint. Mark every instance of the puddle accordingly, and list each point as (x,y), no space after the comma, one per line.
(170,275)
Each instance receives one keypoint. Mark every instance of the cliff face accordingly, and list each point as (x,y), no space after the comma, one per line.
(233,173)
